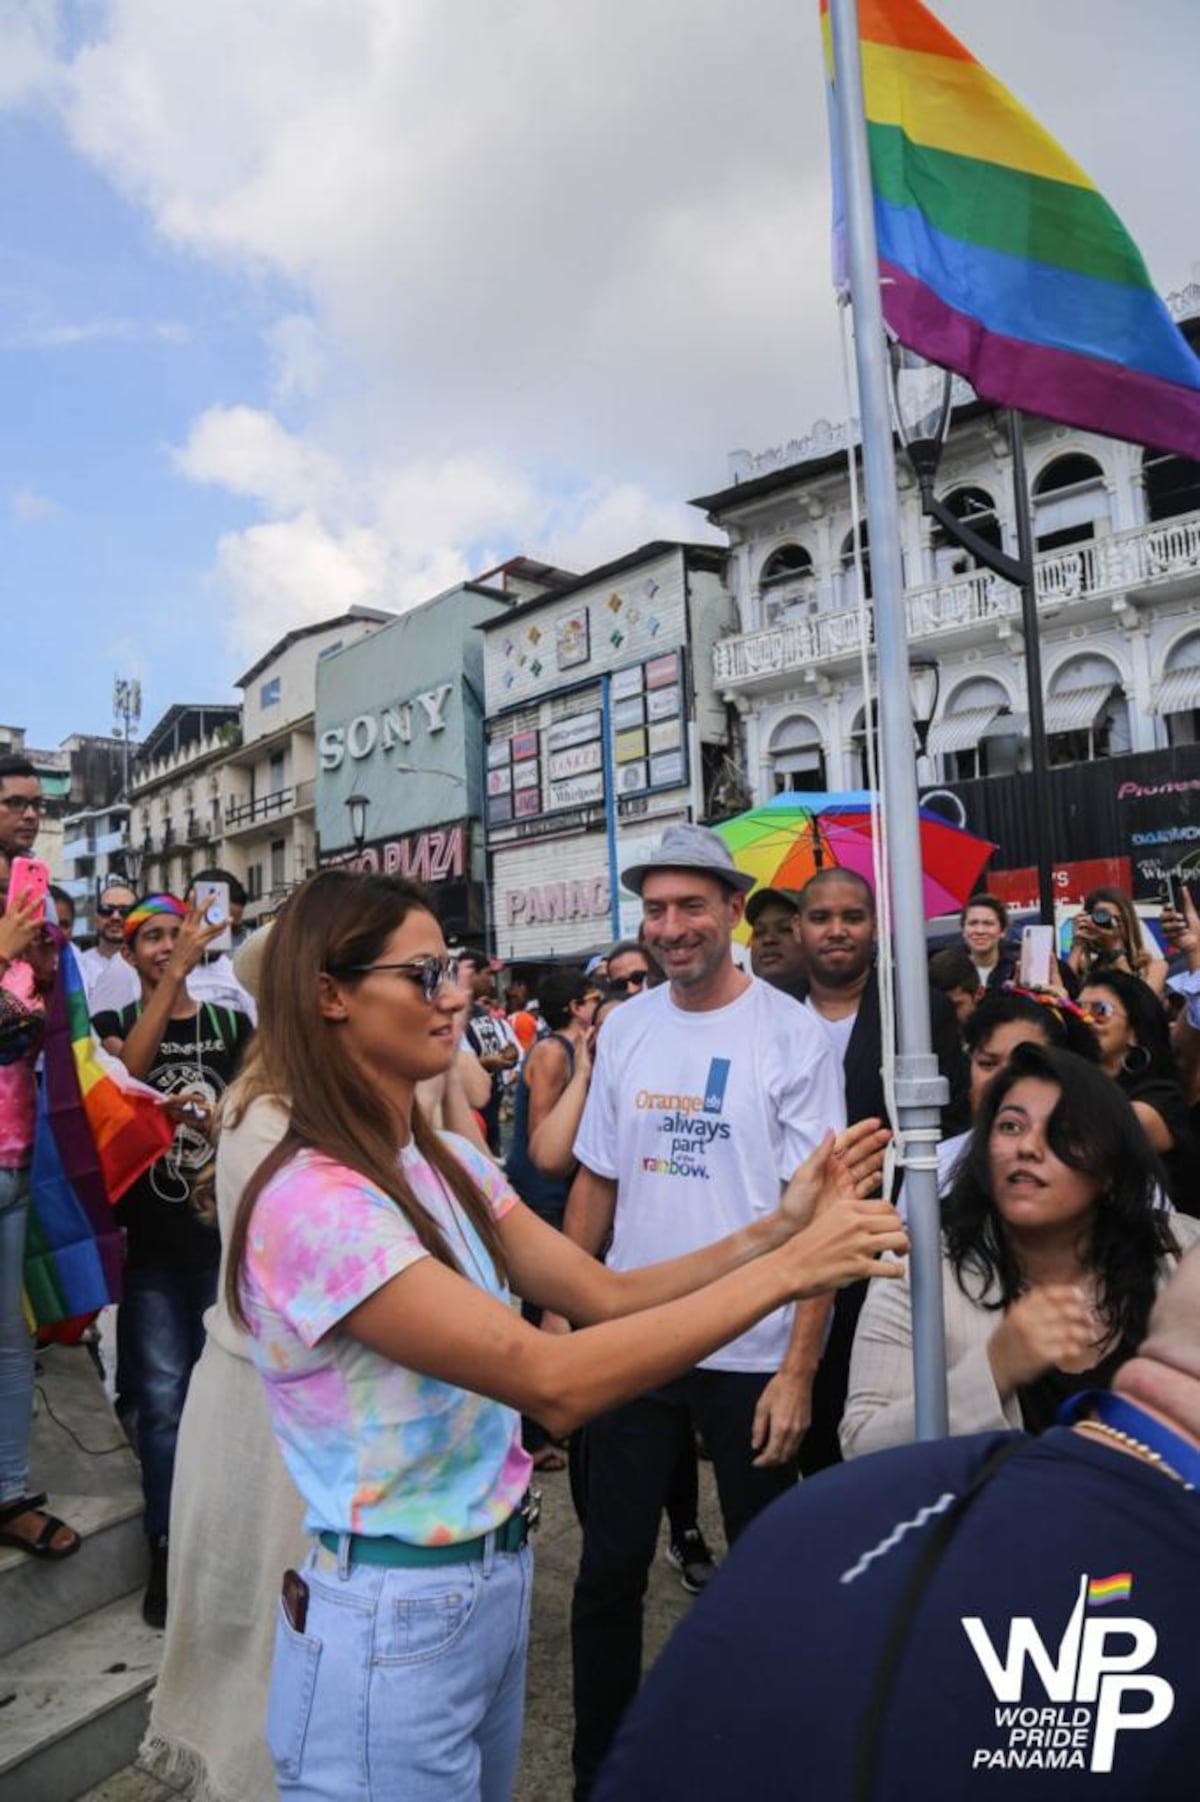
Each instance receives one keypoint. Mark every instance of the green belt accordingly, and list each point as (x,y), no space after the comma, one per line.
(509,1537)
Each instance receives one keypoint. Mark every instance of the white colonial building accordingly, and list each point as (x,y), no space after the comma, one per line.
(1118,590)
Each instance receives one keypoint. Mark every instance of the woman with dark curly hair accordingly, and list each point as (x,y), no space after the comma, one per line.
(1053,1254)
(1135,1051)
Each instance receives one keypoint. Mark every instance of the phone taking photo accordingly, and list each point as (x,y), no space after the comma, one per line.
(1036,969)
(28,876)
(212,898)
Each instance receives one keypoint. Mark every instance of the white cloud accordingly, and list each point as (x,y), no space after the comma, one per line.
(297,357)
(31,508)
(391,535)
(548,262)
(249,453)
(29,33)
(97,331)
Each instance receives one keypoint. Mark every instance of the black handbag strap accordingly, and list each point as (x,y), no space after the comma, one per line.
(932,1552)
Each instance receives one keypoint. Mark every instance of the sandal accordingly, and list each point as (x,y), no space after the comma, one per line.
(41,1547)
(546,1460)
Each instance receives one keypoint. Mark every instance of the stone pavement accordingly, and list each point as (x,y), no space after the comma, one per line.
(545,1774)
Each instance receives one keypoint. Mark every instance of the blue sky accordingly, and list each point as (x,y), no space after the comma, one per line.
(338,301)
(112,341)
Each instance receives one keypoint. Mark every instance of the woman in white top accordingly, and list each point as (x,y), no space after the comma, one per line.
(1053,1253)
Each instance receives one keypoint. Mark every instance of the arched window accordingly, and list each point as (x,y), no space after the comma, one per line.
(1177,695)
(849,590)
(787,564)
(786,584)
(1087,715)
(797,755)
(976,732)
(976,508)
(1070,502)
(1172,485)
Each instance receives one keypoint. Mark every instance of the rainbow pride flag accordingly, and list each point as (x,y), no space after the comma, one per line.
(94,1138)
(1116,1588)
(998,257)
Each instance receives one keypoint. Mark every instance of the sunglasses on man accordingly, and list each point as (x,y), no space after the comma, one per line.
(113,910)
(621,985)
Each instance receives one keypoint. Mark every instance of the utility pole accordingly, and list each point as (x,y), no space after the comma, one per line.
(127,713)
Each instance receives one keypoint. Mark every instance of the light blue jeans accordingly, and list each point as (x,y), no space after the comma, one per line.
(406,1685)
(16,1345)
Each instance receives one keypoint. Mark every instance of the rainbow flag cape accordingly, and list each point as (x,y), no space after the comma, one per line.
(998,258)
(94,1138)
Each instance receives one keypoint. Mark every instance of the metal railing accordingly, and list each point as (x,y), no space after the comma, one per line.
(1142,558)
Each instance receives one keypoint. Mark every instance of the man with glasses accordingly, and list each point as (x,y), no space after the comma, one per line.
(629,969)
(21,806)
(110,980)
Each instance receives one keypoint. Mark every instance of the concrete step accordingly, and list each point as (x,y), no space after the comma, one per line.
(74,1703)
(93,1483)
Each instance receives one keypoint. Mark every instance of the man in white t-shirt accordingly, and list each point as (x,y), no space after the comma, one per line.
(706,1094)
(109,978)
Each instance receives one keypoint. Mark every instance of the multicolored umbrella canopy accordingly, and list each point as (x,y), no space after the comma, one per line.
(792,836)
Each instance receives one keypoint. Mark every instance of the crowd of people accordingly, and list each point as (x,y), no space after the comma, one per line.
(676,1166)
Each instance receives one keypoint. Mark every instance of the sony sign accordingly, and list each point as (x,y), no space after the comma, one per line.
(390,726)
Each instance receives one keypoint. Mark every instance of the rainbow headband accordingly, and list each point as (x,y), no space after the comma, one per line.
(146,908)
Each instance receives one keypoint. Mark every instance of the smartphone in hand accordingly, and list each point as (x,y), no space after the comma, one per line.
(1037,967)
(213,900)
(28,876)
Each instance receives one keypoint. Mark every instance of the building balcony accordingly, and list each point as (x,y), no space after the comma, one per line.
(1086,581)
(92,844)
(267,810)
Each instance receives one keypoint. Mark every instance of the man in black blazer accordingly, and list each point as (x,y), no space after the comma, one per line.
(837,930)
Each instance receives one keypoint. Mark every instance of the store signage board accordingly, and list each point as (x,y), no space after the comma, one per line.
(578,792)
(576,730)
(578,760)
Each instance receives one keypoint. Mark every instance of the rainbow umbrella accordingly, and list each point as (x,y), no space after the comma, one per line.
(792,836)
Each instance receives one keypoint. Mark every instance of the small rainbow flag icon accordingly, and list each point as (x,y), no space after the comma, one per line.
(1110,1589)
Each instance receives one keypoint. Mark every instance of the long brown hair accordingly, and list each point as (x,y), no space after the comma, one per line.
(336,920)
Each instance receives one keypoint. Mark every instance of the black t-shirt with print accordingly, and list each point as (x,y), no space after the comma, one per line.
(198,1054)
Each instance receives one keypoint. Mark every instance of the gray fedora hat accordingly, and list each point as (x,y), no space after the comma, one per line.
(690,848)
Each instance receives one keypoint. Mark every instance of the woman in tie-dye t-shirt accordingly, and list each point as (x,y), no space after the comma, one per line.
(370,1261)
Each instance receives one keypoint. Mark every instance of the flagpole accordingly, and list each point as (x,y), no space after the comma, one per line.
(919,1088)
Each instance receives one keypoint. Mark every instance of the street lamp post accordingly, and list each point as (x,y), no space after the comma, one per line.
(922,395)
(924,686)
(358,806)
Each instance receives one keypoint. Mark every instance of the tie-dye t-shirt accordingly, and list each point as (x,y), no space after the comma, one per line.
(373,1447)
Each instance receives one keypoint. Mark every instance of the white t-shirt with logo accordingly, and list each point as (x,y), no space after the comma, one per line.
(700,1118)
(111,983)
